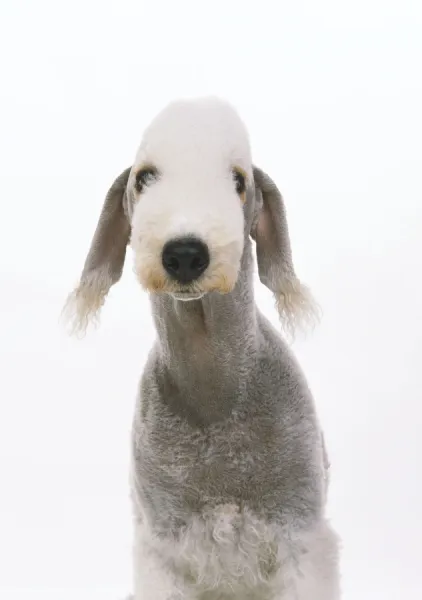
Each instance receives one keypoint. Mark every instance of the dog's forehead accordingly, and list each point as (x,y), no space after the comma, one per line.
(194,132)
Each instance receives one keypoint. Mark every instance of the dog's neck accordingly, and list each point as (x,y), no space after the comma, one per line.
(206,347)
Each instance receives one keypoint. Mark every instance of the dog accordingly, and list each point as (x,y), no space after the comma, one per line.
(229,470)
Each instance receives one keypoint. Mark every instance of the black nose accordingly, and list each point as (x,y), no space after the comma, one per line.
(185,259)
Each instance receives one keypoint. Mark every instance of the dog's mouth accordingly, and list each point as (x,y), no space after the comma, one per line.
(187,296)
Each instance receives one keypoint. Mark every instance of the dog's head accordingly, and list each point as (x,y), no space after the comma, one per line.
(185,207)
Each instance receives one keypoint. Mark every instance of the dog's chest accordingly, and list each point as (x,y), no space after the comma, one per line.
(183,470)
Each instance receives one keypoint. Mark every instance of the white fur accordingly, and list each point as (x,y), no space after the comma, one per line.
(227,553)
(296,306)
(85,301)
(194,149)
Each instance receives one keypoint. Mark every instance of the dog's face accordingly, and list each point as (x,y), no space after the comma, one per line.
(186,206)
(186,196)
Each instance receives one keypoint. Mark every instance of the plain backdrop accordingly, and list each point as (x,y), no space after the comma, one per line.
(331,92)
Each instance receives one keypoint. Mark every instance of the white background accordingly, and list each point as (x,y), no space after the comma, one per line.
(332,94)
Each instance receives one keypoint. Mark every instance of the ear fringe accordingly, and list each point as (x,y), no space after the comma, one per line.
(83,305)
(297,309)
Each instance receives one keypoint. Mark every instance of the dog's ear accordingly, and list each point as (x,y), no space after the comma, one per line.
(105,260)
(294,301)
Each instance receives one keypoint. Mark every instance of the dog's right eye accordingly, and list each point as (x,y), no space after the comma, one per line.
(144,177)
(239,180)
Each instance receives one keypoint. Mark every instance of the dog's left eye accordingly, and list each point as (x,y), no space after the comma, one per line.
(240,182)
(145,177)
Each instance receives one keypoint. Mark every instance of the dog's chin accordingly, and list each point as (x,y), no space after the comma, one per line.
(187,296)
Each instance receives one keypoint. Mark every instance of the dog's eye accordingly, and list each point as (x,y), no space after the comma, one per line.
(144,177)
(240,182)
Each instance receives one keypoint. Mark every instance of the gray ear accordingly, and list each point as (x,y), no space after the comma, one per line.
(294,301)
(105,260)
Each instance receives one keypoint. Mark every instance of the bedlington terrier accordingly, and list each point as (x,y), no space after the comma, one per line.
(229,469)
